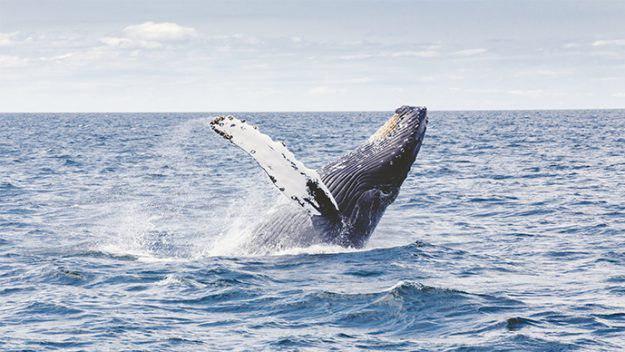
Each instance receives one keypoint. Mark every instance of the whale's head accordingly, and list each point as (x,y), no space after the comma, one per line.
(365,181)
(391,150)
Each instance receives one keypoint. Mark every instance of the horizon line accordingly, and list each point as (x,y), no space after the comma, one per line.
(287,111)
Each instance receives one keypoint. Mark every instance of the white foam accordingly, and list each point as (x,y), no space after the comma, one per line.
(317,249)
(241,218)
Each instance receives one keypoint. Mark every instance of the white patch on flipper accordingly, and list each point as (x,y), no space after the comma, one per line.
(292,178)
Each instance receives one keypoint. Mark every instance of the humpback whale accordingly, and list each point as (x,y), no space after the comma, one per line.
(343,202)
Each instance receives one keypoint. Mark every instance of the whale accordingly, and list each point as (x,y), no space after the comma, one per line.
(342,202)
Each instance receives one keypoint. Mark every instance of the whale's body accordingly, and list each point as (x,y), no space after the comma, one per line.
(342,203)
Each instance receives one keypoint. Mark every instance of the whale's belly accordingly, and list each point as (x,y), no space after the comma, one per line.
(289,227)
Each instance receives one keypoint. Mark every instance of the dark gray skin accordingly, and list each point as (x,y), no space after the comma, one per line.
(363,182)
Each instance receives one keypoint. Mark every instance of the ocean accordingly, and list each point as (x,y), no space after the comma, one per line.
(123,232)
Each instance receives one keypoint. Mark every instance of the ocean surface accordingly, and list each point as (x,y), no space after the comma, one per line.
(123,232)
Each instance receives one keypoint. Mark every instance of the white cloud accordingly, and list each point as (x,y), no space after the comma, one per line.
(470,52)
(5,38)
(571,45)
(11,61)
(619,95)
(126,43)
(610,54)
(149,35)
(117,41)
(83,56)
(611,42)
(159,31)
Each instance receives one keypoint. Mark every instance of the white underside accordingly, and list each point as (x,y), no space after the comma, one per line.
(289,175)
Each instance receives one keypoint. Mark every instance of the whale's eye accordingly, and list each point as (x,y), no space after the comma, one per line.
(386,190)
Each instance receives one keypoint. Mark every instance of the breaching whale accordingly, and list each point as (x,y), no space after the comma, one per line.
(343,202)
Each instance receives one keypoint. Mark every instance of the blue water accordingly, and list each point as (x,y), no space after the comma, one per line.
(123,232)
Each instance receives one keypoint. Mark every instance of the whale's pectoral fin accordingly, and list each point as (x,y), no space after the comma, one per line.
(290,176)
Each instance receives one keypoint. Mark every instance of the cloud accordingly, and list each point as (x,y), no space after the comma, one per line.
(571,45)
(470,52)
(159,32)
(93,54)
(126,43)
(611,42)
(11,61)
(6,38)
(430,51)
(619,95)
(150,35)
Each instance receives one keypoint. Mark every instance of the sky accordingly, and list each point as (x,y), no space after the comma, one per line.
(195,56)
